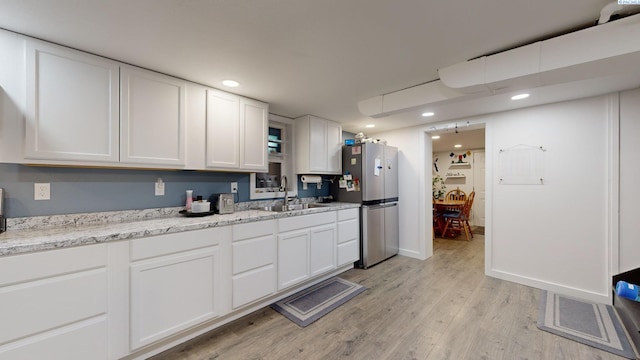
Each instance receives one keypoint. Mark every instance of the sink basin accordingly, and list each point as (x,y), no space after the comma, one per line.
(292,207)
(319,205)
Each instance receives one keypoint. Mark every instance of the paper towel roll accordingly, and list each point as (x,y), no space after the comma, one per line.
(311,179)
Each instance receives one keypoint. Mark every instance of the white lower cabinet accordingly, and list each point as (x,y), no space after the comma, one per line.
(130,298)
(254,262)
(306,247)
(348,236)
(322,251)
(293,258)
(53,304)
(177,281)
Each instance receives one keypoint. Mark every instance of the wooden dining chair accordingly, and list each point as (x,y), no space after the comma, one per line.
(455,194)
(438,220)
(457,222)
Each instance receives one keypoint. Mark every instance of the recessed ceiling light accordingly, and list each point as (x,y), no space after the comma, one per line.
(426,114)
(369,126)
(519,96)
(230,83)
(435,137)
(457,145)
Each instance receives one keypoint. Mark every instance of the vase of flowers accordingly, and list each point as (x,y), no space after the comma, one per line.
(439,188)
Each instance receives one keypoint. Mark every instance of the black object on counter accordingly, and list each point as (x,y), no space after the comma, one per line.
(199,214)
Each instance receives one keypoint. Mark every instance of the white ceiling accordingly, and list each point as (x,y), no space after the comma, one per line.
(301,56)
(470,138)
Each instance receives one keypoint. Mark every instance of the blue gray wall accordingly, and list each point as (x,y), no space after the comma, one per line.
(80,190)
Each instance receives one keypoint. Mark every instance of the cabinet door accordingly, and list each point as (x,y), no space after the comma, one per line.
(293,258)
(334,148)
(152,118)
(254,127)
(223,129)
(72,105)
(317,144)
(322,250)
(172,293)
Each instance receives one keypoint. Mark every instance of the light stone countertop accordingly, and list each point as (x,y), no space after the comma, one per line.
(61,231)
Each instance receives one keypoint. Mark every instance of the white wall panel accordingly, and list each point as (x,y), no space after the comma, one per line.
(553,236)
(629,180)
(556,233)
(412,187)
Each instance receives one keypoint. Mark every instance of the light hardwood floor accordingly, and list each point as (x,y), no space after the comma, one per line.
(441,308)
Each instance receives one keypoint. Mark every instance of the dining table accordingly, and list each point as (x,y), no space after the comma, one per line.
(440,206)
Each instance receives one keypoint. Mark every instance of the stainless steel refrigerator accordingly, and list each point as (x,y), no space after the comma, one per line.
(370,173)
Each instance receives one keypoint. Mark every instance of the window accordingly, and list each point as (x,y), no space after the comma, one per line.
(268,185)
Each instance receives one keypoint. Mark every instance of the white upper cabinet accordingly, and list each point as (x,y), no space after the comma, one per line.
(223,130)
(334,147)
(152,118)
(254,130)
(72,105)
(236,132)
(318,144)
(85,110)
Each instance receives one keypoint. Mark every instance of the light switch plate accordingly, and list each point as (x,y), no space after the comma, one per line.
(159,187)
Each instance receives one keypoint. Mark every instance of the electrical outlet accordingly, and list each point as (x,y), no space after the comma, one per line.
(234,187)
(159,187)
(41,191)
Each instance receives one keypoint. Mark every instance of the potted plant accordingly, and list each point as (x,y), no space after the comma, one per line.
(439,188)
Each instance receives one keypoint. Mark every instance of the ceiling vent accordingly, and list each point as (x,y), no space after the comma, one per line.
(607,50)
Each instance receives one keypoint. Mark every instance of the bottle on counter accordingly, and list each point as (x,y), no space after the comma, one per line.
(187,205)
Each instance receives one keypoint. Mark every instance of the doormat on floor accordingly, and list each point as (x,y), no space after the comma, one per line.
(595,325)
(310,304)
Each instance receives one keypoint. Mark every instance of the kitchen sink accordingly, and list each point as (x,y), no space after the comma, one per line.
(292,207)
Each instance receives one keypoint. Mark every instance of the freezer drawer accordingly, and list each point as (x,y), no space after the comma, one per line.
(372,246)
(391,229)
(380,233)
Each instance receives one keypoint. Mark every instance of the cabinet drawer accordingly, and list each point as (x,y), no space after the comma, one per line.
(348,230)
(348,252)
(347,214)
(252,230)
(253,253)
(41,305)
(306,221)
(51,263)
(253,285)
(172,243)
(86,341)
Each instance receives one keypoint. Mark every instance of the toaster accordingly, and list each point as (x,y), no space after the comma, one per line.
(225,204)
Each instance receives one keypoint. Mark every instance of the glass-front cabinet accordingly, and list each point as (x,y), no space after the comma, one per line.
(269,185)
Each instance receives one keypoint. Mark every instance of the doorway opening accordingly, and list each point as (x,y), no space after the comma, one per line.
(458,163)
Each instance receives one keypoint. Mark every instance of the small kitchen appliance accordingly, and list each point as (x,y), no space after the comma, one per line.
(225,204)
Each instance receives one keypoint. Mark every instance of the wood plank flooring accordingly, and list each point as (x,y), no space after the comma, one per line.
(441,308)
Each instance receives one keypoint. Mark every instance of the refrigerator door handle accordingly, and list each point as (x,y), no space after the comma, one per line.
(380,206)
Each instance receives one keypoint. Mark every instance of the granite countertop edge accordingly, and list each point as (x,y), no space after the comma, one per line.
(34,240)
